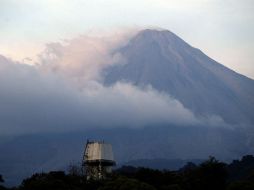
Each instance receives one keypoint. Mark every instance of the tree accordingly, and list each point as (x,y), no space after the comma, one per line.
(212,174)
(241,185)
(1,179)
(124,183)
(75,170)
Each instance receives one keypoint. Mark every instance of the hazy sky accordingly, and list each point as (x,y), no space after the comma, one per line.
(222,29)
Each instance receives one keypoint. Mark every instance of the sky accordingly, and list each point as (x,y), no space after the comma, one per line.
(222,29)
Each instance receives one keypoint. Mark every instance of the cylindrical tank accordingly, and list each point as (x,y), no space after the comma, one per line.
(98,159)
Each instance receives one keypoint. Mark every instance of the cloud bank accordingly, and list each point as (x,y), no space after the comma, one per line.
(63,92)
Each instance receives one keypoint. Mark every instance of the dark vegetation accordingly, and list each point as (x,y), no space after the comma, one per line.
(209,175)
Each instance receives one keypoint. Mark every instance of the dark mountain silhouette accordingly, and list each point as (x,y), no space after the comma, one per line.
(161,164)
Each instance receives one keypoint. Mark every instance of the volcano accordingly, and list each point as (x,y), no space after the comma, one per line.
(166,62)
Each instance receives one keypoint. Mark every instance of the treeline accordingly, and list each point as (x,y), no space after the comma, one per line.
(210,175)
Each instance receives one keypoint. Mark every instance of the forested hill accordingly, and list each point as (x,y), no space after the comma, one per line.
(209,175)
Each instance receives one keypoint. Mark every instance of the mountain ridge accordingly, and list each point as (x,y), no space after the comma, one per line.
(167,63)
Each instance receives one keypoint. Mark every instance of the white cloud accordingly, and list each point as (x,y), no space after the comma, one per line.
(82,58)
(63,92)
(33,101)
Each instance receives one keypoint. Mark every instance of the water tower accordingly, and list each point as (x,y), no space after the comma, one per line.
(98,160)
